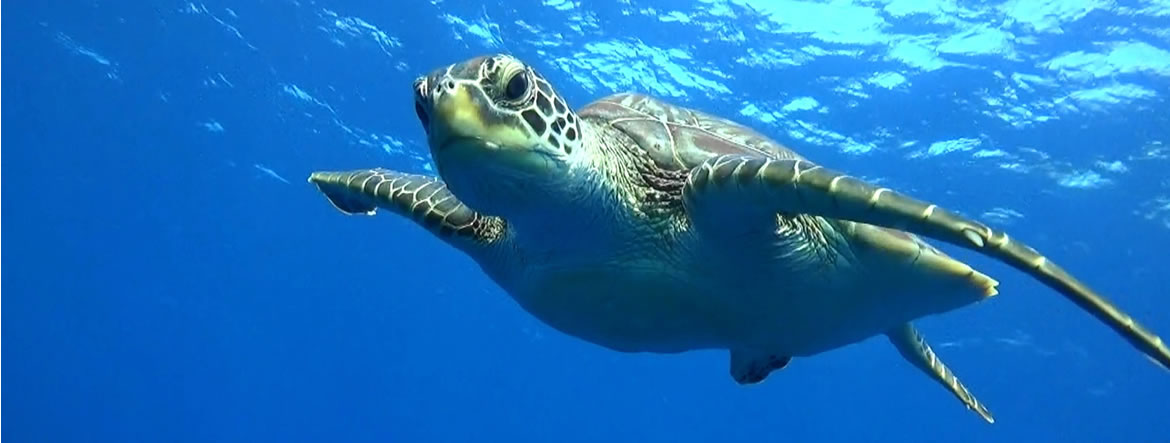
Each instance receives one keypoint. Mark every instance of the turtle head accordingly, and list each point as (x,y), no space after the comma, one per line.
(497,131)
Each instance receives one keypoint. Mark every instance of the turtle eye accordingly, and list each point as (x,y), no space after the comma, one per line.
(517,87)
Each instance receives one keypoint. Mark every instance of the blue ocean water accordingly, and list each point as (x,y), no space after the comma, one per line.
(170,276)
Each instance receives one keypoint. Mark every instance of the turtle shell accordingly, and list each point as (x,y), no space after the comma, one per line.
(679,138)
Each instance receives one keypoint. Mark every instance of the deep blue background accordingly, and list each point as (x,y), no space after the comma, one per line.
(169,275)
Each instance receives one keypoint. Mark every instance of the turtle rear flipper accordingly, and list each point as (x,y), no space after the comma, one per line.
(914,349)
(749,367)
(424,199)
(798,186)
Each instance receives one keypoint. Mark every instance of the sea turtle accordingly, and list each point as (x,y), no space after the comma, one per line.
(642,226)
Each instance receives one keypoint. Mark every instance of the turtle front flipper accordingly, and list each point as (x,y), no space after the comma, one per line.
(798,186)
(424,199)
(914,349)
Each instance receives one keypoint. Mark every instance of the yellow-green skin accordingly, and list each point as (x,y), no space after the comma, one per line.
(646,227)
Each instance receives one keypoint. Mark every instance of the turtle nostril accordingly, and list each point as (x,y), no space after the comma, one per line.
(449,84)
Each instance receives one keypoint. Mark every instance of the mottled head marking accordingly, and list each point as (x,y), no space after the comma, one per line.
(494,122)
(512,103)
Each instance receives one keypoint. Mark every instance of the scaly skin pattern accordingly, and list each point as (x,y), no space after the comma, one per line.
(785,184)
(424,199)
(646,227)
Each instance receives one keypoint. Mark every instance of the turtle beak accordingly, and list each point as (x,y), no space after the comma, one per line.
(453,110)
(447,109)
